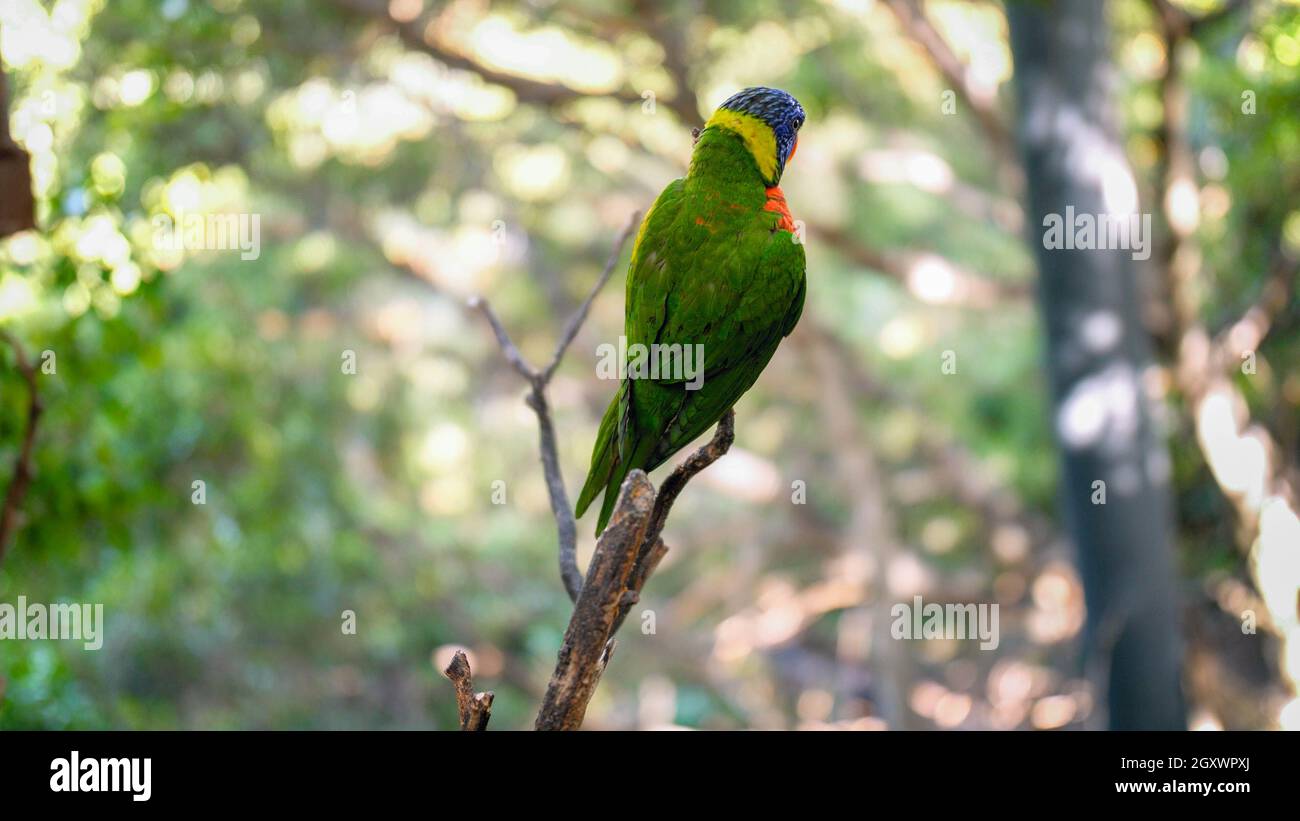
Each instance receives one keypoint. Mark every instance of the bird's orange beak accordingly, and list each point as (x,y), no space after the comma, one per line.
(793,149)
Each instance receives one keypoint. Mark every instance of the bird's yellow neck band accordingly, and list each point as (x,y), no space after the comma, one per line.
(757,135)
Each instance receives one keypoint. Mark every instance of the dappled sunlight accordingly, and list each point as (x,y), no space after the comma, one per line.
(533,173)
(902,336)
(746,476)
(779,615)
(1276,562)
(923,169)
(460,258)
(544,53)
(1058,611)
(362,444)
(933,279)
(28,33)
(1101,408)
(978,36)
(362,125)
(1239,460)
(17,296)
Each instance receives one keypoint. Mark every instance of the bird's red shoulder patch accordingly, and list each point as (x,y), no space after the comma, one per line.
(776,204)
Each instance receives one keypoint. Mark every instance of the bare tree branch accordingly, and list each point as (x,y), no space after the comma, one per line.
(652,548)
(588,638)
(22,473)
(538,380)
(580,315)
(475,708)
(628,551)
(580,666)
(508,348)
(698,461)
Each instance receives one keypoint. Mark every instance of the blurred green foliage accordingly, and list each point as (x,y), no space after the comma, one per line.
(391,186)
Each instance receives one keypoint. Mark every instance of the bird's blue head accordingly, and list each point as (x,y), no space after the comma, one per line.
(768,120)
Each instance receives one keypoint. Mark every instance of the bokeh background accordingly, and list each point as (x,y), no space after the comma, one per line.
(403,156)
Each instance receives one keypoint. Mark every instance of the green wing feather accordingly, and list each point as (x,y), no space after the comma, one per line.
(742,339)
(707,273)
(654,226)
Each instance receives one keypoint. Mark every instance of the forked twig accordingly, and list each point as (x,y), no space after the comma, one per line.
(629,549)
(627,553)
(475,708)
(538,380)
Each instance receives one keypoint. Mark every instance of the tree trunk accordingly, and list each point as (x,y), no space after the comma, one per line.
(1115,489)
(17,209)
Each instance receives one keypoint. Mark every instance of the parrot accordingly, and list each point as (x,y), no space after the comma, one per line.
(717,263)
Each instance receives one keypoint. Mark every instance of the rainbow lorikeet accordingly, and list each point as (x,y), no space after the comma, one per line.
(716,263)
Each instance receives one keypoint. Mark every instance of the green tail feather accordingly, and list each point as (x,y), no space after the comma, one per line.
(608,468)
(638,458)
(611,496)
(604,457)
(613,458)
